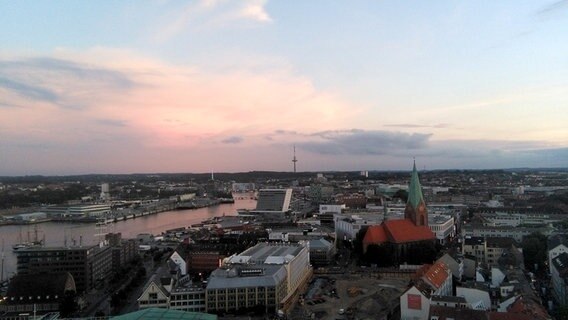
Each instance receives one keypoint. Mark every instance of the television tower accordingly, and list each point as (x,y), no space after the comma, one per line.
(294,160)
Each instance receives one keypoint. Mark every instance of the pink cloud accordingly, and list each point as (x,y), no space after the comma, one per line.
(115,101)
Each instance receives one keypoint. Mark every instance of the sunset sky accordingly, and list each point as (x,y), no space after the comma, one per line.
(178,86)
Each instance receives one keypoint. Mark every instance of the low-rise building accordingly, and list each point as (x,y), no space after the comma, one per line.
(436,281)
(155,293)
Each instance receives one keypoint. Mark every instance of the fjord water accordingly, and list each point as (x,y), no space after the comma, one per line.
(85,233)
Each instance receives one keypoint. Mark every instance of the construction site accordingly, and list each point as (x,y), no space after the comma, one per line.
(351,296)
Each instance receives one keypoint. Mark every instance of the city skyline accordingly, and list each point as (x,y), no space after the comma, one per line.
(233,86)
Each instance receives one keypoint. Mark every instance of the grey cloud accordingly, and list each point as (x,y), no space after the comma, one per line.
(29,90)
(280,131)
(555,6)
(111,122)
(233,140)
(361,142)
(65,83)
(410,125)
(83,72)
(557,154)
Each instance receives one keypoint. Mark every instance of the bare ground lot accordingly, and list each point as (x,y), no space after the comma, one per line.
(356,296)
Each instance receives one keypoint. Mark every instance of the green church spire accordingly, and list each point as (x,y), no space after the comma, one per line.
(414,189)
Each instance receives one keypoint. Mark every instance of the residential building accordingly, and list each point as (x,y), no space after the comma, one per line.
(475,247)
(436,281)
(496,248)
(557,244)
(180,261)
(455,265)
(487,250)
(559,277)
(155,293)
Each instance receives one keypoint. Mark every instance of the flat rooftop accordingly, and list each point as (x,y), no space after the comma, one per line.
(246,277)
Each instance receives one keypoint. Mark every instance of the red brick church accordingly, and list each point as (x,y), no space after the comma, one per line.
(413,229)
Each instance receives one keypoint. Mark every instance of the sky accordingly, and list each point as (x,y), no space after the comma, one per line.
(232,86)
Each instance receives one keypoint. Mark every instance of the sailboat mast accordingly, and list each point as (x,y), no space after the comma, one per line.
(2,266)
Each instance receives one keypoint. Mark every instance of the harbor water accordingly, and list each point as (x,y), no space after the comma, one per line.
(57,234)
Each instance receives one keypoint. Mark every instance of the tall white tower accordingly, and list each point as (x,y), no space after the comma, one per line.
(105,191)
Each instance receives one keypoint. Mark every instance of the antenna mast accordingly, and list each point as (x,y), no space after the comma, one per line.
(294,159)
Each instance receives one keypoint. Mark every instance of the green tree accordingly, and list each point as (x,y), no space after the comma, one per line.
(562,313)
(534,252)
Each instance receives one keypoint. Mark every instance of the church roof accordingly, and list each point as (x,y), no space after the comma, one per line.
(402,231)
(414,189)
(397,231)
(375,234)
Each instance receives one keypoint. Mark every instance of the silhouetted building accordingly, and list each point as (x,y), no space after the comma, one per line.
(88,265)
(41,294)
(123,251)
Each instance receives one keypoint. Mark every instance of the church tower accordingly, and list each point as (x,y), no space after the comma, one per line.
(415,206)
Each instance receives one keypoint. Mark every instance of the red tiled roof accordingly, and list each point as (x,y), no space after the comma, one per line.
(402,231)
(397,231)
(437,274)
(528,307)
(375,235)
(421,271)
(446,313)
(493,315)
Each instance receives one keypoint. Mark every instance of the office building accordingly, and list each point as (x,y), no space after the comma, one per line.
(88,265)
(274,200)
(268,276)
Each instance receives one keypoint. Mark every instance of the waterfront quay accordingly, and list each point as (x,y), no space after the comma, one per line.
(69,232)
(106,212)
